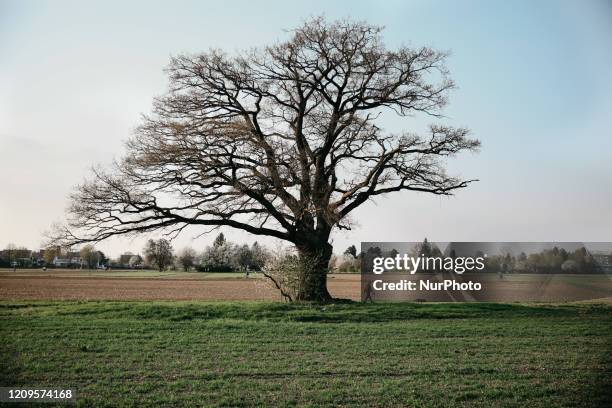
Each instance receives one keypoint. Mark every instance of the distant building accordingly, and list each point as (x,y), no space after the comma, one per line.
(38,256)
(22,257)
(124,260)
(17,257)
(69,260)
(130,261)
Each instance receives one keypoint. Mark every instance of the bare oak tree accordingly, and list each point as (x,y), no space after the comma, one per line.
(281,141)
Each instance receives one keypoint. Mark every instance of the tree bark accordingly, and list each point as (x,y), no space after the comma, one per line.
(314,266)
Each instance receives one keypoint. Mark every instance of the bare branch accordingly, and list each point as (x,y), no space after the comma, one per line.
(283,141)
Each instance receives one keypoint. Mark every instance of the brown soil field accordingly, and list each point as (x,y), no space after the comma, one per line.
(152,285)
(75,286)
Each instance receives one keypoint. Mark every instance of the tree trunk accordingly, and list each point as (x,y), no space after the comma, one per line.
(314,265)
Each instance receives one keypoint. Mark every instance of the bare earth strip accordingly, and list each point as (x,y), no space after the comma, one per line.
(151,285)
(58,287)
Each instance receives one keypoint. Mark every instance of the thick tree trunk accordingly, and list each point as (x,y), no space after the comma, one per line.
(314,265)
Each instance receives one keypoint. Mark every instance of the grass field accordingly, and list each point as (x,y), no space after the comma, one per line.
(262,354)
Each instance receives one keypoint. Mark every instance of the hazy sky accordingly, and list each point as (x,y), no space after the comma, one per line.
(535,86)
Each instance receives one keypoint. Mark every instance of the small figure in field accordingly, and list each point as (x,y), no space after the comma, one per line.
(247,271)
(368,292)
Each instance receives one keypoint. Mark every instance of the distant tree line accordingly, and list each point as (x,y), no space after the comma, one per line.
(225,256)
(13,255)
(547,261)
(87,257)
(221,256)
(555,260)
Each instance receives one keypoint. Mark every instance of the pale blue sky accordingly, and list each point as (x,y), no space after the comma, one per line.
(535,85)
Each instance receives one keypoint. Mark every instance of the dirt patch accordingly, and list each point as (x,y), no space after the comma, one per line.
(58,285)
(117,288)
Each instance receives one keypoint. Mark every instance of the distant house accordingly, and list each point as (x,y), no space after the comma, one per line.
(130,261)
(69,260)
(124,260)
(38,257)
(17,257)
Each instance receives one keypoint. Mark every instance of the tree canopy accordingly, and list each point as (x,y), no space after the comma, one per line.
(283,141)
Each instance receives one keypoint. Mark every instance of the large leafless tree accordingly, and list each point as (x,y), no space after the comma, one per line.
(281,141)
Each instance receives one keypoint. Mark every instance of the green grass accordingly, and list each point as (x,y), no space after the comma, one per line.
(275,354)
